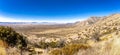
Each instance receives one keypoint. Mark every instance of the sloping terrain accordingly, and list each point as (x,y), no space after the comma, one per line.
(94,36)
(102,36)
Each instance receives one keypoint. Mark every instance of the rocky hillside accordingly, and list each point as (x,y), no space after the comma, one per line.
(104,26)
(89,21)
(106,36)
(102,35)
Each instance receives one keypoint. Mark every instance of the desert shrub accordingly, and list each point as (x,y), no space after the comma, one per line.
(56,52)
(73,48)
(69,49)
(11,37)
(45,45)
(53,44)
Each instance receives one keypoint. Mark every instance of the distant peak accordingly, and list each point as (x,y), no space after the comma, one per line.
(116,14)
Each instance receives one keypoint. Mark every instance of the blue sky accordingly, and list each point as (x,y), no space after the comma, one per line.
(55,10)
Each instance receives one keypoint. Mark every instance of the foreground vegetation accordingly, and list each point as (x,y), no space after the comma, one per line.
(69,49)
(11,37)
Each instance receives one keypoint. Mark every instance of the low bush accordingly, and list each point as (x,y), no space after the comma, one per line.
(69,49)
(45,45)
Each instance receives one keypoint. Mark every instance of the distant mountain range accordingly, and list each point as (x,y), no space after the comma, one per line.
(78,23)
(42,23)
(90,20)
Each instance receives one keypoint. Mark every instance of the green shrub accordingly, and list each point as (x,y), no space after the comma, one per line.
(53,44)
(11,37)
(43,45)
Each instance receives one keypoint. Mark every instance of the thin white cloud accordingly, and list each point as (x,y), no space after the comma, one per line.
(7,19)
(70,20)
(3,19)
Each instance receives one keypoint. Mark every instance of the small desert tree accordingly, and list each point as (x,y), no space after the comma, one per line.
(11,37)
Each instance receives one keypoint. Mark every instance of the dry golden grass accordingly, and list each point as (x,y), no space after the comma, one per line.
(2,51)
(69,49)
(103,48)
(2,48)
